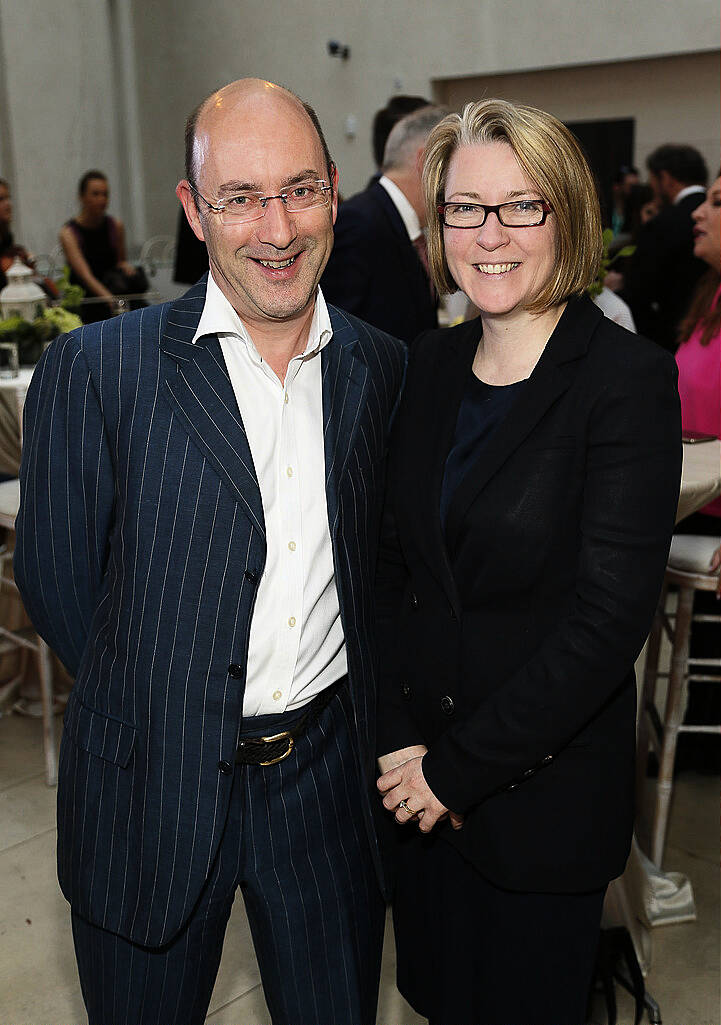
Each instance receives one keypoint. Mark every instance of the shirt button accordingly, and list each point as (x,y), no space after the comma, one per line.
(406,691)
(291,621)
(235,670)
(292,545)
(277,695)
(289,471)
(225,767)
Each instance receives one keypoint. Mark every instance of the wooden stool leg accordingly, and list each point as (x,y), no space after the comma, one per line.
(46,689)
(671,721)
(648,694)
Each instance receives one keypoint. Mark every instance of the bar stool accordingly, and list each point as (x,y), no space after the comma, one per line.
(25,638)
(688,571)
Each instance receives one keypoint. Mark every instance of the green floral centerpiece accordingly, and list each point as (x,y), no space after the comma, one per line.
(607,262)
(31,335)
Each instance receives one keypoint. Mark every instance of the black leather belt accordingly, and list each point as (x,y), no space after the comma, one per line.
(276,747)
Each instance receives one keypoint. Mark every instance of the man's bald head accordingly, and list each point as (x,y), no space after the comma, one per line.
(212,109)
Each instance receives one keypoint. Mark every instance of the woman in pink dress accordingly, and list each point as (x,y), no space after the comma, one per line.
(699,355)
(699,385)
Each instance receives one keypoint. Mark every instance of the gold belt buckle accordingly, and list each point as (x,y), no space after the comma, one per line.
(279,736)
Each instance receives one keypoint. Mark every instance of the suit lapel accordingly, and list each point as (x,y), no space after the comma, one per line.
(345,383)
(199,390)
(410,261)
(550,379)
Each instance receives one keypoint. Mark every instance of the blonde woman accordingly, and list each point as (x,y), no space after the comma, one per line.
(533,481)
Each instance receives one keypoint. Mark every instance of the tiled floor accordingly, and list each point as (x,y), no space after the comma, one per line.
(38,981)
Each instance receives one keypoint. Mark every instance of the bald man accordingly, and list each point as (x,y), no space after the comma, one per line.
(200,499)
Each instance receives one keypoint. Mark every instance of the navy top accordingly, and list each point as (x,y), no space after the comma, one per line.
(482,408)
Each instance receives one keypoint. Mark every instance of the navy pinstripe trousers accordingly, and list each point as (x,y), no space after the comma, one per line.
(295,844)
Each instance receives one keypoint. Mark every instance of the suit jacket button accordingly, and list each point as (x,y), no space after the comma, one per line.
(447,706)
(250,575)
(235,670)
(528,772)
(414,600)
(547,759)
(406,691)
(225,767)
(511,786)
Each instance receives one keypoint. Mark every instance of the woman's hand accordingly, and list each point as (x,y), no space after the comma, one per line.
(407,783)
(395,758)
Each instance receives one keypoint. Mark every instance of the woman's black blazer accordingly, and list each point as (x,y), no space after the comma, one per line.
(508,640)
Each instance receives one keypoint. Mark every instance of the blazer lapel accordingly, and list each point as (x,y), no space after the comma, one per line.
(199,389)
(433,429)
(550,379)
(345,383)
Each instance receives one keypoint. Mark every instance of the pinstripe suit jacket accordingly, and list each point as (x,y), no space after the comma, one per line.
(140,543)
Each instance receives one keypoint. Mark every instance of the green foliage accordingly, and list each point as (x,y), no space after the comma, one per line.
(70,295)
(607,262)
(30,336)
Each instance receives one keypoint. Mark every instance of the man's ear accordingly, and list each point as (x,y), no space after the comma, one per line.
(187,197)
(420,158)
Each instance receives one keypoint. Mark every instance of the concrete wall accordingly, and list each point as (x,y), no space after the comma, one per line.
(70,97)
(57,109)
(672,99)
(399,47)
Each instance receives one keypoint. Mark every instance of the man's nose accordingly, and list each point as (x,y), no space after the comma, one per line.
(277,226)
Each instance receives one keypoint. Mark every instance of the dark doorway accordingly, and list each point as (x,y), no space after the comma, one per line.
(608,146)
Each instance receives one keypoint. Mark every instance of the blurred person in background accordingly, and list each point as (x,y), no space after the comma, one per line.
(384,120)
(94,246)
(10,249)
(378,269)
(533,481)
(660,277)
(624,180)
(699,384)
(699,353)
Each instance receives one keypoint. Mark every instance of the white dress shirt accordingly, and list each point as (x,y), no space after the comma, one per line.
(689,190)
(297,647)
(404,208)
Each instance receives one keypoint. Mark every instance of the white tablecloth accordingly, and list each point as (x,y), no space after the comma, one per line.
(12,400)
(701,476)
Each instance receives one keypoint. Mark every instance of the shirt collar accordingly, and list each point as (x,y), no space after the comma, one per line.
(688,191)
(403,206)
(220,318)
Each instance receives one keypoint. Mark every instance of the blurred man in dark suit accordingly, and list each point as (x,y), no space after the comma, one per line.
(662,273)
(378,267)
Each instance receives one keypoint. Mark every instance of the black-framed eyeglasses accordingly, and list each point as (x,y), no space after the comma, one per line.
(250,206)
(522,213)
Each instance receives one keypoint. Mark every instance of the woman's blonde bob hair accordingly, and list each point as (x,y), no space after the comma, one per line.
(551,159)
